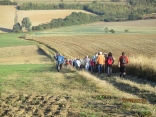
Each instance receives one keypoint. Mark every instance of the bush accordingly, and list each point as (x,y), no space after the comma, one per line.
(126,31)
(112,31)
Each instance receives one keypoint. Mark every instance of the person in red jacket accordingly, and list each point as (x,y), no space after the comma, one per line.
(122,63)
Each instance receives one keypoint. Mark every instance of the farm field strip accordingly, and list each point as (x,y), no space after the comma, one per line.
(7,15)
(70,45)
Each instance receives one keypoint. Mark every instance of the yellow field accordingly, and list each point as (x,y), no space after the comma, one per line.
(42,16)
(7,15)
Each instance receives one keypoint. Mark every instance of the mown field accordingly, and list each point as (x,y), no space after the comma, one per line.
(138,43)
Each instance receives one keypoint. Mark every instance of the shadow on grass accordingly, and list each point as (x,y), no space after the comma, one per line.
(48,68)
(149,96)
(6,30)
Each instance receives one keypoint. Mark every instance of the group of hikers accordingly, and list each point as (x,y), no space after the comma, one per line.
(98,63)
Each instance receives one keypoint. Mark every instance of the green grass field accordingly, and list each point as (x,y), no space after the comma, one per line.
(133,27)
(11,39)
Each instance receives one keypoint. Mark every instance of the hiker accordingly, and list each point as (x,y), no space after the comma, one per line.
(67,63)
(91,65)
(60,61)
(105,55)
(55,57)
(71,62)
(94,59)
(87,63)
(100,61)
(109,63)
(82,66)
(123,61)
(77,63)
(74,62)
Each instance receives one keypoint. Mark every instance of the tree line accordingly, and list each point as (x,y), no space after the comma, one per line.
(73,19)
(104,12)
(112,12)
(7,2)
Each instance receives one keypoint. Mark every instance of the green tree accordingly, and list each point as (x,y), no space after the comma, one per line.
(26,23)
(126,30)
(106,30)
(112,31)
(17,27)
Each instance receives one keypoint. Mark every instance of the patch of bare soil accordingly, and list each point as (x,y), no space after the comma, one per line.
(29,54)
(44,105)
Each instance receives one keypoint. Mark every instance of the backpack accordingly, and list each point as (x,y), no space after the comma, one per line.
(123,60)
(109,60)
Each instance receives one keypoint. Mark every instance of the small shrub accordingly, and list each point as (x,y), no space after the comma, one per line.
(106,30)
(145,113)
(126,31)
(112,31)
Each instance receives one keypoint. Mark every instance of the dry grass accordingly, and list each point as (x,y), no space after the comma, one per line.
(102,84)
(22,55)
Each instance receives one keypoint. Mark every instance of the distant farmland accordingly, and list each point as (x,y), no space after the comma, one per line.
(7,14)
(42,16)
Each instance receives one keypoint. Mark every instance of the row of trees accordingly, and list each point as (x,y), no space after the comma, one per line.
(135,2)
(104,12)
(73,19)
(7,2)
(41,6)
(112,12)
